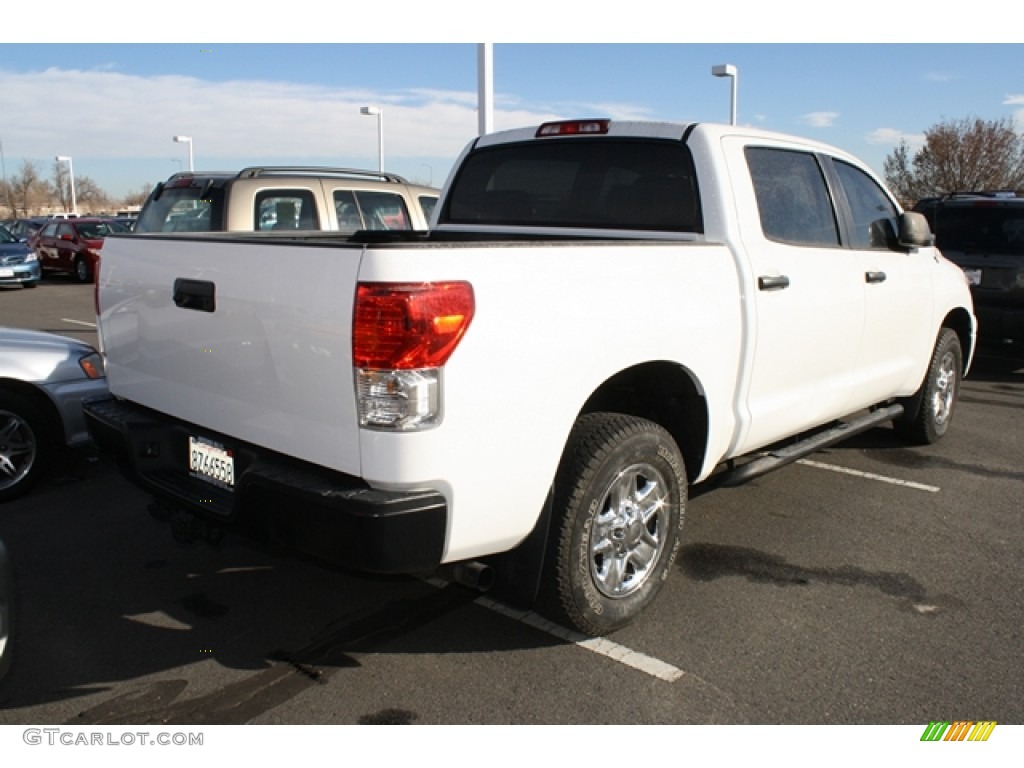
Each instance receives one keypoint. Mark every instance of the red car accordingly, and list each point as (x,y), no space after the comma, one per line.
(71,246)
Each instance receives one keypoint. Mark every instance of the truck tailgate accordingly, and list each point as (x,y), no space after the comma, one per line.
(252,340)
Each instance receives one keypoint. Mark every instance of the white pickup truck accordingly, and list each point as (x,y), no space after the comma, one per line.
(602,314)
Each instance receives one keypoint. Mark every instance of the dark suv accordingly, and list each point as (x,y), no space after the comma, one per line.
(983,233)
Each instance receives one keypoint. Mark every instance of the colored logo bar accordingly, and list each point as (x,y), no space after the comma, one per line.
(958,730)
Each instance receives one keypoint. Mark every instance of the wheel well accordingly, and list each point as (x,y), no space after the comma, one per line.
(665,393)
(40,401)
(959,321)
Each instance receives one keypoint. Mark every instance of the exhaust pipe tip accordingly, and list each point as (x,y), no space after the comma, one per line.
(472,574)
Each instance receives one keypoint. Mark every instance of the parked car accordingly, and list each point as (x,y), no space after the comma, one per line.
(983,233)
(71,246)
(23,229)
(43,380)
(18,262)
(122,223)
(287,198)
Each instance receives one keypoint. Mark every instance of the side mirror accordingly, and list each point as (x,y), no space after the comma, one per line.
(915,231)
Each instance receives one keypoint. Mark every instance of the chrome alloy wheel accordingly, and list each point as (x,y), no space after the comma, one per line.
(17,449)
(945,388)
(628,533)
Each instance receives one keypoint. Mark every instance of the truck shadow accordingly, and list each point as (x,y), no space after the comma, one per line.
(107,603)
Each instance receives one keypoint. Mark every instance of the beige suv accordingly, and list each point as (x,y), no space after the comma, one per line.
(285,198)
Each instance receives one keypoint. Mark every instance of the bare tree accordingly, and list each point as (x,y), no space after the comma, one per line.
(60,187)
(958,156)
(90,196)
(27,190)
(7,197)
(138,198)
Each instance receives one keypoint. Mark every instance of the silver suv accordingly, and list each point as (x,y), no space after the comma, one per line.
(283,198)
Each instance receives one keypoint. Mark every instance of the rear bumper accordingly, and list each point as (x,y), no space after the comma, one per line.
(275,499)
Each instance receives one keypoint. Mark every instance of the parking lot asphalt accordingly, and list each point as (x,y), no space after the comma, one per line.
(871,583)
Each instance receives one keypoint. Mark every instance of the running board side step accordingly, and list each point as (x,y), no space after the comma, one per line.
(780,457)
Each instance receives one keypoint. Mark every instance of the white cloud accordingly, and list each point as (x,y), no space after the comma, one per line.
(820,119)
(893,136)
(117,115)
(1014,99)
(938,77)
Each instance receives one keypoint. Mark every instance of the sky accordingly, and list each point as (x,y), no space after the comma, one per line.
(289,93)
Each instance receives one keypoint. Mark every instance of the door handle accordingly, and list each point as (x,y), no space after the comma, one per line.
(199,295)
(874,277)
(772,282)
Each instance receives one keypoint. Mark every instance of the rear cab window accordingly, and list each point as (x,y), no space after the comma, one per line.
(626,184)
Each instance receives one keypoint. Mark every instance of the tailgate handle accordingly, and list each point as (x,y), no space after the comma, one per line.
(194,294)
(874,277)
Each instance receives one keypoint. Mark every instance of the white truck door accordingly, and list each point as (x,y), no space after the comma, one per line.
(807,294)
(899,327)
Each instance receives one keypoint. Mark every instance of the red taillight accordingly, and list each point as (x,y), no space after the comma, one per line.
(402,326)
(573,127)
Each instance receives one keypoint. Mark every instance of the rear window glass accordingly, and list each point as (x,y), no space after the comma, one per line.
(605,183)
(366,209)
(989,228)
(180,209)
(285,209)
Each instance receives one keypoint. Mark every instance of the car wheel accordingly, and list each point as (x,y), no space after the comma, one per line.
(82,270)
(25,444)
(938,394)
(620,495)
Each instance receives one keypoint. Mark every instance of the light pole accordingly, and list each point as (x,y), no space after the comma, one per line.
(730,71)
(380,133)
(186,140)
(71,173)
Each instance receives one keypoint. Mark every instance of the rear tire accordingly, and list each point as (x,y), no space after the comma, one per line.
(938,393)
(620,496)
(83,273)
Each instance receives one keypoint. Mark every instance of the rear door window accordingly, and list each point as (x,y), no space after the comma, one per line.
(793,200)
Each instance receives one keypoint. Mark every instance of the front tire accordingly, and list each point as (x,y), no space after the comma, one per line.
(938,393)
(620,496)
(25,445)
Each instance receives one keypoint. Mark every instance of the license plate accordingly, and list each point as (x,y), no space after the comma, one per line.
(6,273)
(211,462)
(973,276)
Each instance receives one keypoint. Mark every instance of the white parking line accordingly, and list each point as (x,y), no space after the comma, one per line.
(600,645)
(870,476)
(77,322)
